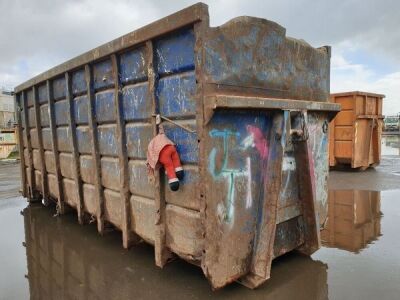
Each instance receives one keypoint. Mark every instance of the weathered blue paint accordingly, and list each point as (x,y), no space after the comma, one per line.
(46,135)
(138,136)
(81,110)
(110,172)
(104,107)
(176,95)
(256,53)
(136,102)
(186,142)
(175,53)
(78,82)
(139,183)
(42,94)
(61,113)
(102,75)
(44,115)
(59,88)
(186,196)
(87,168)
(64,139)
(133,66)
(84,140)
(107,140)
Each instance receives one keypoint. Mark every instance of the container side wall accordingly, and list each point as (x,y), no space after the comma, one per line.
(80,157)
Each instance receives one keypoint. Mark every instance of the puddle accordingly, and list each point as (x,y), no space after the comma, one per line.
(62,259)
(46,257)
(362,245)
(390,145)
(354,219)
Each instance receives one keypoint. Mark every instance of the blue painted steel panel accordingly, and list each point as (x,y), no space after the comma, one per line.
(139,183)
(110,173)
(188,189)
(176,95)
(61,112)
(44,115)
(84,140)
(138,137)
(136,102)
(42,94)
(107,140)
(46,136)
(64,139)
(59,88)
(78,82)
(175,53)
(105,108)
(87,169)
(102,75)
(241,130)
(256,53)
(81,110)
(133,66)
(186,142)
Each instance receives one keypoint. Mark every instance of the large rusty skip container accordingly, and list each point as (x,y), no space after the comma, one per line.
(250,116)
(355,133)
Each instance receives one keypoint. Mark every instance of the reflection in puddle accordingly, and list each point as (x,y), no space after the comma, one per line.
(390,145)
(66,260)
(353,219)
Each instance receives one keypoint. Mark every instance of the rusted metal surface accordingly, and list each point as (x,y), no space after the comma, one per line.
(355,134)
(27,130)
(21,148)
(95,151)
(45,188)
(254,54)
(75,155)
(255,155)
(55,180)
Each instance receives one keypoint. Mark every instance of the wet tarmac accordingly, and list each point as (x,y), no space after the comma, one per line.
(47,257)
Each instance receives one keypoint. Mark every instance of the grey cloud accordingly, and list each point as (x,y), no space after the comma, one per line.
(41,34)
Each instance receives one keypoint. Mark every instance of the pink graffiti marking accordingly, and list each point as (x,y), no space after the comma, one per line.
(260,143)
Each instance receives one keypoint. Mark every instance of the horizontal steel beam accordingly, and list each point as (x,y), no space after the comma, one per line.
(216,102)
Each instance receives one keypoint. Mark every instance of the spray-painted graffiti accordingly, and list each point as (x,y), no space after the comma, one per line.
(289,166)
(226,211)
(254,139)
(318,149)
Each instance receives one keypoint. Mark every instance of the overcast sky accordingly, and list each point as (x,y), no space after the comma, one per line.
(36,35)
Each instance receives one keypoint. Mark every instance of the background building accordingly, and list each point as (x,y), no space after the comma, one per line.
(7,110)
(7,121)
